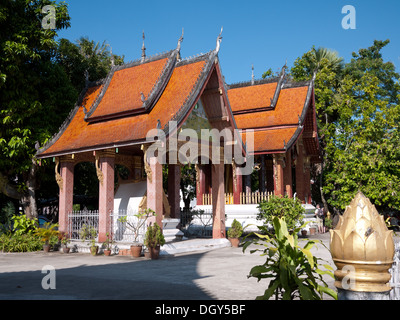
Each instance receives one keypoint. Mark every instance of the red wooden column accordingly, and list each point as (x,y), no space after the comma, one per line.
(66,196)
(218,200)
(237,184)
(300,187)
(278,175)
(106,161)
(200,184)
(174,183)
(155,189)
(307,179)
(287,175)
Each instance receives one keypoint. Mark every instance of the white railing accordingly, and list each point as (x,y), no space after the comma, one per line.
(119,230)
(245,198)
(77,219)
(197,223)
(395,272)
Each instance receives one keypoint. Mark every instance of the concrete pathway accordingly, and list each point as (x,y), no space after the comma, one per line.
(203,275)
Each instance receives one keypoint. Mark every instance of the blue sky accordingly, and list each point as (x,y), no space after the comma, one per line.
(264,33)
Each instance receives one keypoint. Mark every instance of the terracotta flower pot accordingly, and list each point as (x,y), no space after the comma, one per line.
(313,230)
(234,242)
(66,249)
(136,251)
(154,252)
(46,247)
(107,252)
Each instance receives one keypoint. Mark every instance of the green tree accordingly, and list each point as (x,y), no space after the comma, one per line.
(358,113)
(34,93)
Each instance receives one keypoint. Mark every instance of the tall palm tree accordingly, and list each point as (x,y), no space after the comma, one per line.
(325,56)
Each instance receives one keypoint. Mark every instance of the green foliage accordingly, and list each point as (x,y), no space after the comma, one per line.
(154,236)
(277,206)
(48,234)
(88,233)
(236,229)
(23,225)
(358,113)
(293,270)
(7,212)
(20,243)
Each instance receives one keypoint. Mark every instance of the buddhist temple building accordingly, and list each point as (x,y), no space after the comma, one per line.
(112,118)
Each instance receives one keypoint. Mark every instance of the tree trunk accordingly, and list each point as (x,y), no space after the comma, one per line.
(27,199)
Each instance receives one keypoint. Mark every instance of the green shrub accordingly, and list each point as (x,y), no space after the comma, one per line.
(20,243)
(6,214)
(293,270)
(236,229)
(154,236)
(281,207)
(23,225)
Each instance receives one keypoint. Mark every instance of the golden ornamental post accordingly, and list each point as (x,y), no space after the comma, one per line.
(362,249)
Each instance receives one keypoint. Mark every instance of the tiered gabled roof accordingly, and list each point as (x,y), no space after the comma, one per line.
(135,98)
(121,109)
(278,112)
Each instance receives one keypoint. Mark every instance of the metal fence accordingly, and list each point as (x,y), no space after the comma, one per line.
(120,230)
(395,272)
(78,219)
(197,223)
(194,223)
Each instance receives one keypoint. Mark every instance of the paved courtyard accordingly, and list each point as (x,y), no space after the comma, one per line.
(219,274)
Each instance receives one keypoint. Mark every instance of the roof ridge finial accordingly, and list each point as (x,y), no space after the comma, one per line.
(219,39)
(252,74)
(112,58)
(178,48)
(143,48)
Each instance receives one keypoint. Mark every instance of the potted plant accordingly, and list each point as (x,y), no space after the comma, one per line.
(154,239)
(303,232)
(46,234)
(136,225)
(234,232)
(107,245)
(89,233)
(64,242)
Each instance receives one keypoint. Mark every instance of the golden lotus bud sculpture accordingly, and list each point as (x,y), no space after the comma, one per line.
(362,248)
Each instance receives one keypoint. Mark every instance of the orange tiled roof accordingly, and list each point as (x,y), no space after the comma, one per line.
(271,140)
(276,127)
(140,96)
(287,111)
(125,88)
(81,135)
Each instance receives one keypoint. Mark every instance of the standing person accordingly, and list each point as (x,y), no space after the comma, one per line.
(322,217)
(317,214)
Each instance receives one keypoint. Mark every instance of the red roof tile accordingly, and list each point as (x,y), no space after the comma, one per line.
(81,135)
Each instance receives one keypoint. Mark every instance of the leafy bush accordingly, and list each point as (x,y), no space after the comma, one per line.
(154,236)
(20,243)
(277,206)
(6,217)
(48,234)
(24,225)
(293,270)
(236,229)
